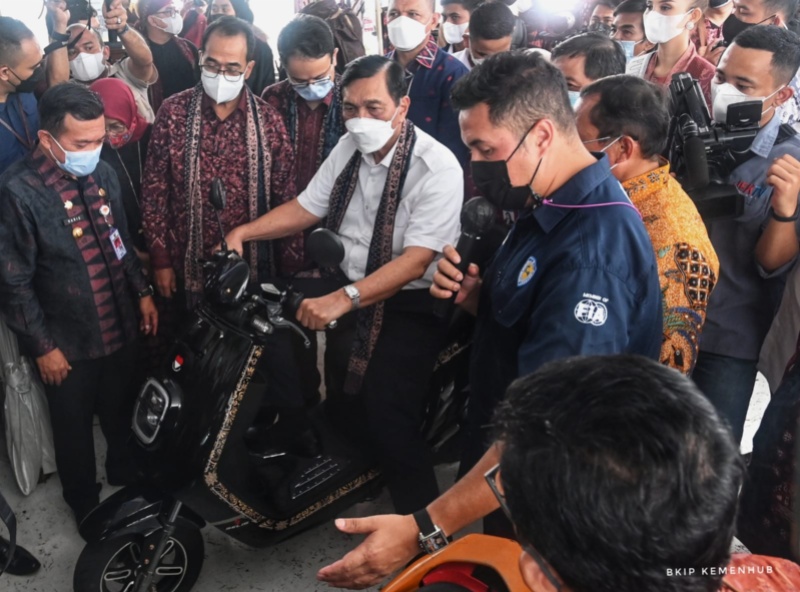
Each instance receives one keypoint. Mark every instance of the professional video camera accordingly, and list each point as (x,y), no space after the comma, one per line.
(553,21)
(703,153)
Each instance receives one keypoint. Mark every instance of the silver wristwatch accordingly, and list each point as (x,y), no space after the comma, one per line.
(354,295)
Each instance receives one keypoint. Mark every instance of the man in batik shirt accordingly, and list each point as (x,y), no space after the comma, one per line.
(627,118)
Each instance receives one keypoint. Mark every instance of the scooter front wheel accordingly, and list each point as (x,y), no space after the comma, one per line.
(111,565)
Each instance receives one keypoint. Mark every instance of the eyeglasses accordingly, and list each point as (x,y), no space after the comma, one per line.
(323,80)
(166,13)
(116,129)
(211,71)
(492,478)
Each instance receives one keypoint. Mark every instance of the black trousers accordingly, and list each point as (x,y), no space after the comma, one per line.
(102,386)
(388,411)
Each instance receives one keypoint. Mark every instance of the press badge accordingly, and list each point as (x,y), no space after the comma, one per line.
(116,242)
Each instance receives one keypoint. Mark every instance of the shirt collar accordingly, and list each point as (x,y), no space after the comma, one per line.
(573,192)
(386,162)
(641,187)
(50,172)
(241,106)
(766,138)
(425,57)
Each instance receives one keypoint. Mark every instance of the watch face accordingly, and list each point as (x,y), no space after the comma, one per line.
(351,291)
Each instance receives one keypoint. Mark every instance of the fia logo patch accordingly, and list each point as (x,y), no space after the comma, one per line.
(527,272)
(591,312)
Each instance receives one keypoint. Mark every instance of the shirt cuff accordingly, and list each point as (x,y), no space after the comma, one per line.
(768,275)
(315,210)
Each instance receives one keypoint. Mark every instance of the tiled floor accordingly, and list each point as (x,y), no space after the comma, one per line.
(46,528)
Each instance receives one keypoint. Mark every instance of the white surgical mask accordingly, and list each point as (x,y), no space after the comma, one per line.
(660,28)
(724,95)
(454,33)
(406,33)
(87,66)
(219,88)
(476,61)
(370,135)
(174,24)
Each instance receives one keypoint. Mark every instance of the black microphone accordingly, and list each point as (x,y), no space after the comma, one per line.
(694,155)
(477,217)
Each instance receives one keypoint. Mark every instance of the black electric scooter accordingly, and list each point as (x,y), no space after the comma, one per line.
(192,427)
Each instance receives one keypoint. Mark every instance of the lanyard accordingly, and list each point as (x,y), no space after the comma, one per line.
(26,141)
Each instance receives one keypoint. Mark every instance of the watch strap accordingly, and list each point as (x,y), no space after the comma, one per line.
(424,522)
(431,537)
(792,218)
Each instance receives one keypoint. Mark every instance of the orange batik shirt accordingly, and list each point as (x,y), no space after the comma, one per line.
(688,267)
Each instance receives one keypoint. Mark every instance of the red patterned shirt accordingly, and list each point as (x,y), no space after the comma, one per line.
(223,153)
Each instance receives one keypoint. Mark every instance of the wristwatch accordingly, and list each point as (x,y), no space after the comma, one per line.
(354,295)
(148,291)
(124,30)
(431,537)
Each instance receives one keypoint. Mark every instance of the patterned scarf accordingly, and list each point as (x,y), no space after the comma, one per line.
(257,168)
(332,125)
(370,319)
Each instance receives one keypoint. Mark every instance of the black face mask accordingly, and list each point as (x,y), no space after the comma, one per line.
(717,3)
(733,26)
(215,17)
(29,85)
(492,180)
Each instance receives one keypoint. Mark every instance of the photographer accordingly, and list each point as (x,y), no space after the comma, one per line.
(758,66)
(627,118)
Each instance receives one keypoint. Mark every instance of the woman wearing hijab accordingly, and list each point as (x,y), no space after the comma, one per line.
(128,134)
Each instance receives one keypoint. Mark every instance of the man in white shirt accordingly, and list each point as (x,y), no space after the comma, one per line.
(393,194)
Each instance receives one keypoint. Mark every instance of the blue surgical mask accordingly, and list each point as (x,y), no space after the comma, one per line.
(314,91)
(79,164)
(629,47)
(574,95)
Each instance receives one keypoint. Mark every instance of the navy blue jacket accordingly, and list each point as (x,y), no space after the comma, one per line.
(566,282)
(20,112)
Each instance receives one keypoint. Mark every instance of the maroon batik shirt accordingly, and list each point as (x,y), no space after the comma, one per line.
(223,154)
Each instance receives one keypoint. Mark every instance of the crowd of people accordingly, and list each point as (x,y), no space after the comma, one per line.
(107,157)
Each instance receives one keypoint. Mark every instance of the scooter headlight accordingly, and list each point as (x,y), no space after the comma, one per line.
(150,410)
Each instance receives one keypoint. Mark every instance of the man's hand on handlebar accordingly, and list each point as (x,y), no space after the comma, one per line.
(448,280)
(317,313)
(391,542)
(233,241)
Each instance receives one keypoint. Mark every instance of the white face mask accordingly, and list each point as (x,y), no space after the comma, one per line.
(174,24)
(476,61)
(454,33)
(406,33)
(87,66)
(724,95)
(370,135)
(660,28)
(219,88)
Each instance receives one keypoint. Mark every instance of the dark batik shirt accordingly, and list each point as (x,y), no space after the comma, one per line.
(223,154)
(61,282)
(308,139)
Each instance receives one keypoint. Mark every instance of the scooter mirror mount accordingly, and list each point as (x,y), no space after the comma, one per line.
(218,194)
(325,248)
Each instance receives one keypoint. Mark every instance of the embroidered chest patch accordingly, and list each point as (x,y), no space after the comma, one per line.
(527,272)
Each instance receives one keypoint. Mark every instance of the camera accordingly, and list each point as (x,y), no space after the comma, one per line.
(704,153)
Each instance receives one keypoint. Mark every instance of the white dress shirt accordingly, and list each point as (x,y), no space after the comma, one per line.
(428,214)
(463,57)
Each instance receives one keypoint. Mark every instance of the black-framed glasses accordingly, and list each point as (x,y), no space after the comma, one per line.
(212,71)
(492,477)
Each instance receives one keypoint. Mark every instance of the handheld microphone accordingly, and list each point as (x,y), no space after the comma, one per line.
(113,36)
(477,217)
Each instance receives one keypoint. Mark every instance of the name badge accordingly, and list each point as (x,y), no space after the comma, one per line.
(117,244)
(73,220)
